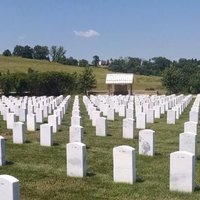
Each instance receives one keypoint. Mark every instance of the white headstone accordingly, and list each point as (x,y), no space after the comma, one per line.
(157,111)
(46,135)
(150,115)
(171,117)
(18,133)
(11,118)
(111,114)
(128,128)
(39,115)
(194,116)
(147,142)
(53,120)
(76,121)
(2,151)
(129,113)
(188,142)
(124,163)
(75,134)
(101,126)
(182,169)
(9,188)
(76,159)
(141,121)
(22,114)
(31,122)
(190,127)
(122,110)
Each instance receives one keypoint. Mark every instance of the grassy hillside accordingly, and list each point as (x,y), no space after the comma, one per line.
(16,64)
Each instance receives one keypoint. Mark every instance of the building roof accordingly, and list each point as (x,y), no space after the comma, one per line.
(119,79)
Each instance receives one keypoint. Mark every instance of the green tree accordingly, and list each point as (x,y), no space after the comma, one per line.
(173,80)
(95,61)
(58,54)
(83,63)
(87,80)
(24,52)
(41,52)
(7,53)
(18,50)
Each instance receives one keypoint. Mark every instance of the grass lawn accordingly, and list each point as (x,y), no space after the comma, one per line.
(42,170)
(17,64)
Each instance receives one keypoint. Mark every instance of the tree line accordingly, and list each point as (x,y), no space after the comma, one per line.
(55,54)
(47,83)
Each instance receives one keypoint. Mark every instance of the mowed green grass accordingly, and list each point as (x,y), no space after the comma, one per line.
(42,170)
(17,64)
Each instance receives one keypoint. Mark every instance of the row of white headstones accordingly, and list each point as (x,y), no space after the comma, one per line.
(31,112)
(124,156)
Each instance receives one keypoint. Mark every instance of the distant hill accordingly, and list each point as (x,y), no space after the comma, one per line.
(17,64)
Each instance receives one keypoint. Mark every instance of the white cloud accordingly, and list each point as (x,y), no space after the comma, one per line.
(87,34)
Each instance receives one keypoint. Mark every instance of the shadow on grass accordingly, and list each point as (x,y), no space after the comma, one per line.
(158,154)
(9,163)
(55,144)
(87,147)
(197,188)
(90,174)
(139,180)
(198,157)
(28,141)
(109,135)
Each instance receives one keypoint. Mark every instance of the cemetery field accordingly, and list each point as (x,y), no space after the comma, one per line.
(42,170)
(16,64)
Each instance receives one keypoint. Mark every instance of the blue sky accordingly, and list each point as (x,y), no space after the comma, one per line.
(107,28)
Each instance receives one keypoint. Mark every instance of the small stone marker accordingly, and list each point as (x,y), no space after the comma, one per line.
(53,120)
(75,134)
(128,128)
(39,115)
(147,142)
(76,121)
(11,118)
(101,126)
(194,116)
(31,122)
(2,151)
(22,114)
(76,159)
(190,127)
(111,114)
(129,113)
(188,142)
(18,133)
(9,188)
(182,168)
(46,135)
(171,117)
(141,121)
(124,170)
(150,115)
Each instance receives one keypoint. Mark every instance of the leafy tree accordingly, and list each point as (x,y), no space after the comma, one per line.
(83,63)
(7,53)
(173,80)
(24,52)
(28,52)
(87,80)
(18,50)
(58,54)
(41,52)
(71,61)
(95,61)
